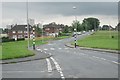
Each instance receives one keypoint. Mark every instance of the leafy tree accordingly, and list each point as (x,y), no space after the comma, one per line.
(38,30)
(5,31)
(91,23)
(105,27)
(76,24)
(66,29)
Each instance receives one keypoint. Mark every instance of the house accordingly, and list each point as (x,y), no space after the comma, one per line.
(19,31)
(53,29)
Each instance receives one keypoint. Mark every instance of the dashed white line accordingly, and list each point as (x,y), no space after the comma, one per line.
(52,48)
(49,65)
(38,49)
(50,44)
(45,49)
(66,48)
(103,58)
(115,62)
(59,48)
(58,68)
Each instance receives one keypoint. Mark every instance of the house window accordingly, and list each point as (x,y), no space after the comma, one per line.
(60,28)
(14,36)
(47,29)
(25,31)
(19,31)
(20,36)
(13,31)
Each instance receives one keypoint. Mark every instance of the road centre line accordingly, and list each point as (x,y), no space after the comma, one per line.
(58,68)
(49,65)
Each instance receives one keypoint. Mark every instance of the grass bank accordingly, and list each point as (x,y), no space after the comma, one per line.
(18,49)
(101,39)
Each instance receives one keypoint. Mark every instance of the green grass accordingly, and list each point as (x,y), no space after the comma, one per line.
(18,49)
(61,37)
(101,39)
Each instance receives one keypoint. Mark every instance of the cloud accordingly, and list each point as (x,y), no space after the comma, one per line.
(60,12)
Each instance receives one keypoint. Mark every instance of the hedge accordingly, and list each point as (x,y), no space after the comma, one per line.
(6,39)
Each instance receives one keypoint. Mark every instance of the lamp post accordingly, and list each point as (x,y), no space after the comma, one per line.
(28,34)
(75,29)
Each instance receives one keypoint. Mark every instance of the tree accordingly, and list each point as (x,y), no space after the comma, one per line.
(38,30)
(105,27)
(66,29)
(5,31)
(91,23)
(76,24)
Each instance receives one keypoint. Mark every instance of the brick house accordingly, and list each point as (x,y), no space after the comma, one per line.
(53,29)
(19,31)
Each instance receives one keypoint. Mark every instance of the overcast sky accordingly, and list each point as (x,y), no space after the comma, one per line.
(59,12)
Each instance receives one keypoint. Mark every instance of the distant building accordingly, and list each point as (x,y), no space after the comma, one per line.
(53,29)
(19,31)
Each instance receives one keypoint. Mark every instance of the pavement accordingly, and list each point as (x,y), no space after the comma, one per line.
(38,56)
(66,62)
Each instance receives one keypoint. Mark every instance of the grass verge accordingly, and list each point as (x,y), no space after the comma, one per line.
(18,49)
(101,39)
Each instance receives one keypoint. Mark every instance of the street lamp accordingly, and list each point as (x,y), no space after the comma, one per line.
(28,35)
(75,29)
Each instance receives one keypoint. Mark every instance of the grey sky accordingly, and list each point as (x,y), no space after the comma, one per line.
(15,12)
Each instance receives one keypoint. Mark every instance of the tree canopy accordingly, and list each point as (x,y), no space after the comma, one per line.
(87,24)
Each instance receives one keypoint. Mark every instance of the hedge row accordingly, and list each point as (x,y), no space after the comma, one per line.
(6,39)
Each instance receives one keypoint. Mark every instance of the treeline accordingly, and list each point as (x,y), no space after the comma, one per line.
(86,25)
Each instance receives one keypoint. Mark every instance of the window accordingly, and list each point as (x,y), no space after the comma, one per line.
(19,31)
(14,32)
(25,31)
(14,36)
(60,28)
(20,36)
(47,29)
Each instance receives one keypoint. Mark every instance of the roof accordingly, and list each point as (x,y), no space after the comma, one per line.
(20,28)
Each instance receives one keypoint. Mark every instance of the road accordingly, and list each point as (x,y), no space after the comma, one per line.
(65,63)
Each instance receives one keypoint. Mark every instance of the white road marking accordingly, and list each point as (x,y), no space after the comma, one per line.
(52,48)
(50,44)
(66,48)
(59,48)
(45,49)
(45,52)
(49,65)
(102,58)
(58,68)
(115,62)
(49,53)
(38,49)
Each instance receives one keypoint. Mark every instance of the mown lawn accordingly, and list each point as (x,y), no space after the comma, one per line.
(18,49)
(101,39)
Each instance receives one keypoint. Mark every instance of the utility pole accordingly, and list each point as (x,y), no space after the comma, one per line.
(28,34)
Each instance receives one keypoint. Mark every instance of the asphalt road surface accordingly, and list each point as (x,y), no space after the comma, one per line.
(65,63)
